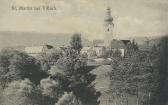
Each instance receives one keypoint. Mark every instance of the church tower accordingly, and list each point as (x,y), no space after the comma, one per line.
(108,22)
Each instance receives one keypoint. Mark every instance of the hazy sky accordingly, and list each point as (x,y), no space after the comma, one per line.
(131,17)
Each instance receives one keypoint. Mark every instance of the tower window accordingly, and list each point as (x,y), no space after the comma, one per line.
(108,29)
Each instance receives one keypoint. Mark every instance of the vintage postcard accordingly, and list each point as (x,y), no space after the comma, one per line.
(83,52)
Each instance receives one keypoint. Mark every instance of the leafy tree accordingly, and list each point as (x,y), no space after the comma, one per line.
(72,72)
(53,55)
(15,65)
(144,77)
(160,60)
(50,88)
(118,80)
(68,99)
(134,45)
(131,48)
(76,42)
(134,75)
(21,92)
(49,58)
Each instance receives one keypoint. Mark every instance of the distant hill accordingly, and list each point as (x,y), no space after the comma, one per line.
(19,39)
(12,39)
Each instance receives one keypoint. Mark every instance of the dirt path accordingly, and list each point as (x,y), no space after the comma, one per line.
(102,79)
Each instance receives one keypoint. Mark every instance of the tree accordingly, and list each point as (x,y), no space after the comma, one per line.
(76,42)
(134,75)
(134,46)
(51,88)
(68,99)
(49,58)
(131,48)
(160,60)
(73,75)
(21,92)
(15,65)
(118,81)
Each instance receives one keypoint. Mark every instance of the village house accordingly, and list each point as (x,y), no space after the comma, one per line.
(86,50)
(121,45)
(96,49)
(37,50)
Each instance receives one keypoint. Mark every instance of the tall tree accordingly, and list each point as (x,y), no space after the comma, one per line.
(76,42)
(161,64)
(75,77)
(135,76)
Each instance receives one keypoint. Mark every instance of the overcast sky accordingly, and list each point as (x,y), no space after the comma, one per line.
(131,17)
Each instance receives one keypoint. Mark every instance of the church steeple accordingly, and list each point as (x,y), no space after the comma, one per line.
(108,21)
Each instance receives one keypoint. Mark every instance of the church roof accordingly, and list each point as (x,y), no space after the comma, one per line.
(126,41)
(120,44)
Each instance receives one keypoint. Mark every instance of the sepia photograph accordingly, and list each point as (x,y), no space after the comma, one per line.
(83,52)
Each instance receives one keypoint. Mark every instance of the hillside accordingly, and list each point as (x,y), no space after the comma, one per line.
(9,39)
(12,38)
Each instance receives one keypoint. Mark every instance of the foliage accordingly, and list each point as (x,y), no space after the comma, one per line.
(131,48)
(51,88)
(76,42)
(73,75)
(77,78)
(134,45)
(15,65)
(49,58)
(160,59)
(21,92)
(134,75)
(68,99)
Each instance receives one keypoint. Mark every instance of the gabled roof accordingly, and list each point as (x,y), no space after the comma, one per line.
(126,41)
(37,49)
(49,46)
(118,44)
